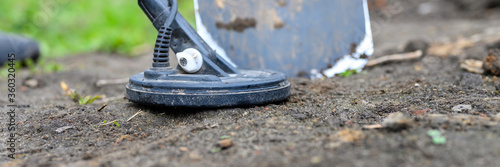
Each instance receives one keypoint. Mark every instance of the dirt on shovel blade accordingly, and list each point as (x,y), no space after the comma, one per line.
(423,112)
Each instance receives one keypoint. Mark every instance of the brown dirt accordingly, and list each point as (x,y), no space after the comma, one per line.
(239,24)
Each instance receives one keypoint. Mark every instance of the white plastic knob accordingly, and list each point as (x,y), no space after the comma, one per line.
(190,60)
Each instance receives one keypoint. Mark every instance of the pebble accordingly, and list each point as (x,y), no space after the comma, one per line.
(226,143)
(299,116)
(416,44)
(335,122)
(462,108)
(397,121)
(184,149)
(32,83)
(497,86)
(316,160)
(87,156)
(45,136)
(496,117)
(471,81)
(194,155)
(64,128)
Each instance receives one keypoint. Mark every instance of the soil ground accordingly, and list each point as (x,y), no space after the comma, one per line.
(323,123)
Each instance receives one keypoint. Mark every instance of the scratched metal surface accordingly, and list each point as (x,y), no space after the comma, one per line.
(292,36)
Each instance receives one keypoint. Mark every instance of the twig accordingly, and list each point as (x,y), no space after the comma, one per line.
(139,112)
(396,57)
(108,123)
(102,107)
(104,82)
(374,126)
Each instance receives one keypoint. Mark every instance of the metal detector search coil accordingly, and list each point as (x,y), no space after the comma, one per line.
(202,78)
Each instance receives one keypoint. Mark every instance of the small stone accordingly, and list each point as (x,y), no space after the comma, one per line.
(497,86)
(462,108)
(226,143)
(335,122)
(194,155)
(496,117)
(471,81)
(64,128)
(45,137)
(397,121)
(183,149)
(316,160)
(299,116)
(417,44)
(31,83)
(87,156)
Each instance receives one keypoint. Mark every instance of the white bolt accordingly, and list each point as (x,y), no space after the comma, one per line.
(190,60)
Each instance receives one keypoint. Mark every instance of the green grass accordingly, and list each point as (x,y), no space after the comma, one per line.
(65,27)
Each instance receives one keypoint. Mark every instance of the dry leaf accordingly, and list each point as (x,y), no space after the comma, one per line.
(471,65)
(446,49)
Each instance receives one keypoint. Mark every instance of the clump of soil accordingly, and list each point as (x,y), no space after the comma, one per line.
(239,24)
(492,62)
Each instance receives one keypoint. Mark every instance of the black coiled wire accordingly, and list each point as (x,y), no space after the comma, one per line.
(162,45)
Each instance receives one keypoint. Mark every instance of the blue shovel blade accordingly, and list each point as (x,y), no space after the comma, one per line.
(318,38)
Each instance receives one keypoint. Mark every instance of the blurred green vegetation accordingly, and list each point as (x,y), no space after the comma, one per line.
(65,27)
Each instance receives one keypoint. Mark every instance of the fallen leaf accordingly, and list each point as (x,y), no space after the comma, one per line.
(471,65)
(447,49)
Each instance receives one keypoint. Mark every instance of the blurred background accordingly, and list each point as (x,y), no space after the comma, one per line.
(69,27)
(66,27)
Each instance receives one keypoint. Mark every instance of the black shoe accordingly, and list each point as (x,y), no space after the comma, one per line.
(24,48)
